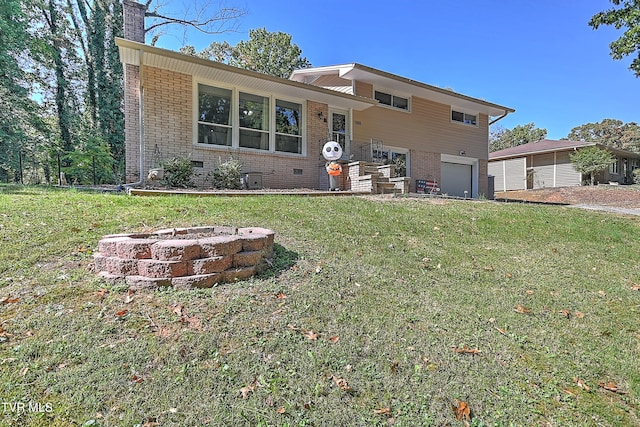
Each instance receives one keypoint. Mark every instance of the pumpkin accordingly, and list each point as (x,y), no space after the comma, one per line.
(334,169)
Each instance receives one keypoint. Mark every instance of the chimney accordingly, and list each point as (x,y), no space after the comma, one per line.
(133,20)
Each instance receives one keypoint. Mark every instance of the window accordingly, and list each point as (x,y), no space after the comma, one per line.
(288,134)
(214,115)
(253,111)
(233,118)
(467,119)
(392,100)
(613,168)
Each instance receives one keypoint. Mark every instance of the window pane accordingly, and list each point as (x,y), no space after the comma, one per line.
(214,105)
(399,102)
(289,144)
(288,115)
(218,135)
(253,111)
(384,98)
(470,119)
(254,139)
(457,116)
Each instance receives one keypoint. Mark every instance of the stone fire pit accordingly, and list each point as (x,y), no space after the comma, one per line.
(186,258)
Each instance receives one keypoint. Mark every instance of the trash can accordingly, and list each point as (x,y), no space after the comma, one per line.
(491,189)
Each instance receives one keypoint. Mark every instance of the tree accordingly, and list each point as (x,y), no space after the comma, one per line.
(628,17)
(201,18)
(264,52)
(609,132)
(500,138)
(591,160)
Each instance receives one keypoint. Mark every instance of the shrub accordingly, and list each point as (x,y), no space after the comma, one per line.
(227,175)
(636,176)
(178,172)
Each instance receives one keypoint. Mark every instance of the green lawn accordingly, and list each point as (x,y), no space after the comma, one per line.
(356,324)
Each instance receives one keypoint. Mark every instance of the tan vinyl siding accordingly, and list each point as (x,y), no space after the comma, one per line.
(566,175)
(496,169)
(364,89)
(543,166)
(427,127)
(515,174)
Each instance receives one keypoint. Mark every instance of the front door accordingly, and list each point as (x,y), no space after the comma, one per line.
(339,129)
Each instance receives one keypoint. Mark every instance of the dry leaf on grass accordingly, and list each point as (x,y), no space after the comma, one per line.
(382,411)
(522,309)
(280,296)
(581,383)
(9,300)
(334,339)
(248,389)
(281,410)
(310,335)
(612,387)
(341,382)
(635,287)
(129,297)
(466,350)
(565,313)
(122,312)
(101,293)
(461,410)
(578,314)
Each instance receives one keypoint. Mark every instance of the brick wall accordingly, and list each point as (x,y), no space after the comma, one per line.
(424,165)
(483,172)
(168,133)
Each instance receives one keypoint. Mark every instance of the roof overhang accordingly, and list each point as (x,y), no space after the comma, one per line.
(135,53)
(403,85)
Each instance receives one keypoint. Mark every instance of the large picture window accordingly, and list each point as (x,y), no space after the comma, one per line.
(253,111)
(288,130)
(214,115)
(233,118)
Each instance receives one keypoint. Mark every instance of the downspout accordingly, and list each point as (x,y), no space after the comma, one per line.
(499,118)
(140,121)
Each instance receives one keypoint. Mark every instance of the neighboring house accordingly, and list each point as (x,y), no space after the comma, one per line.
(547,163)
(179,105)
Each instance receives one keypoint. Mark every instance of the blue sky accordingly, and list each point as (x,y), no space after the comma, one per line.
(537,56)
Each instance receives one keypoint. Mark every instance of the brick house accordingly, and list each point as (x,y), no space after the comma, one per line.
(179,105)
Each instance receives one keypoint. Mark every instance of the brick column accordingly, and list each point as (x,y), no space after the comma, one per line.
(133,14)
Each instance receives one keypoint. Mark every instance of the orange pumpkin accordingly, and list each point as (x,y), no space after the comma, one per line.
(334,169)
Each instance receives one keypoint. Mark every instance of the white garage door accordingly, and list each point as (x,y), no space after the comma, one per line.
(455,179)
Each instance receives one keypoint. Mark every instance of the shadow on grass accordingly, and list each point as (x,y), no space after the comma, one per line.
(282,260)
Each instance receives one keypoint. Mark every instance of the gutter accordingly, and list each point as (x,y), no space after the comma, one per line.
(140,123)
(499,118)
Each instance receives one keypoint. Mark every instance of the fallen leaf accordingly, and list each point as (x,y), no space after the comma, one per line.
(137,379)
(461,410)
(522,309)
(122,312)
(612,387)
(502,331)
(334,339)
(602,293)
(310,335)
(509,275)
(466,350)
(24,371)
(101,293)
(394,366)
(529,292)
(565,313)
(293,327)
(578,314)
(281,410)
(176,309)
(307,405)
(9,300)
(635,287)
(280,296)
(269,401)
(129,297)
(489,268)
(245,391)
(382,411)
(151,422)
(581,383)
(341,382)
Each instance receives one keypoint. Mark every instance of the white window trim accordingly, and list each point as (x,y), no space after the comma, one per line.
(235,120)
(392,94)
(464,111)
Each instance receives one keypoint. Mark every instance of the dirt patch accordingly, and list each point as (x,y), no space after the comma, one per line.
(623,196)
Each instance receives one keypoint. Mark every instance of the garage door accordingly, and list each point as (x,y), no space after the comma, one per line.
(455,179)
